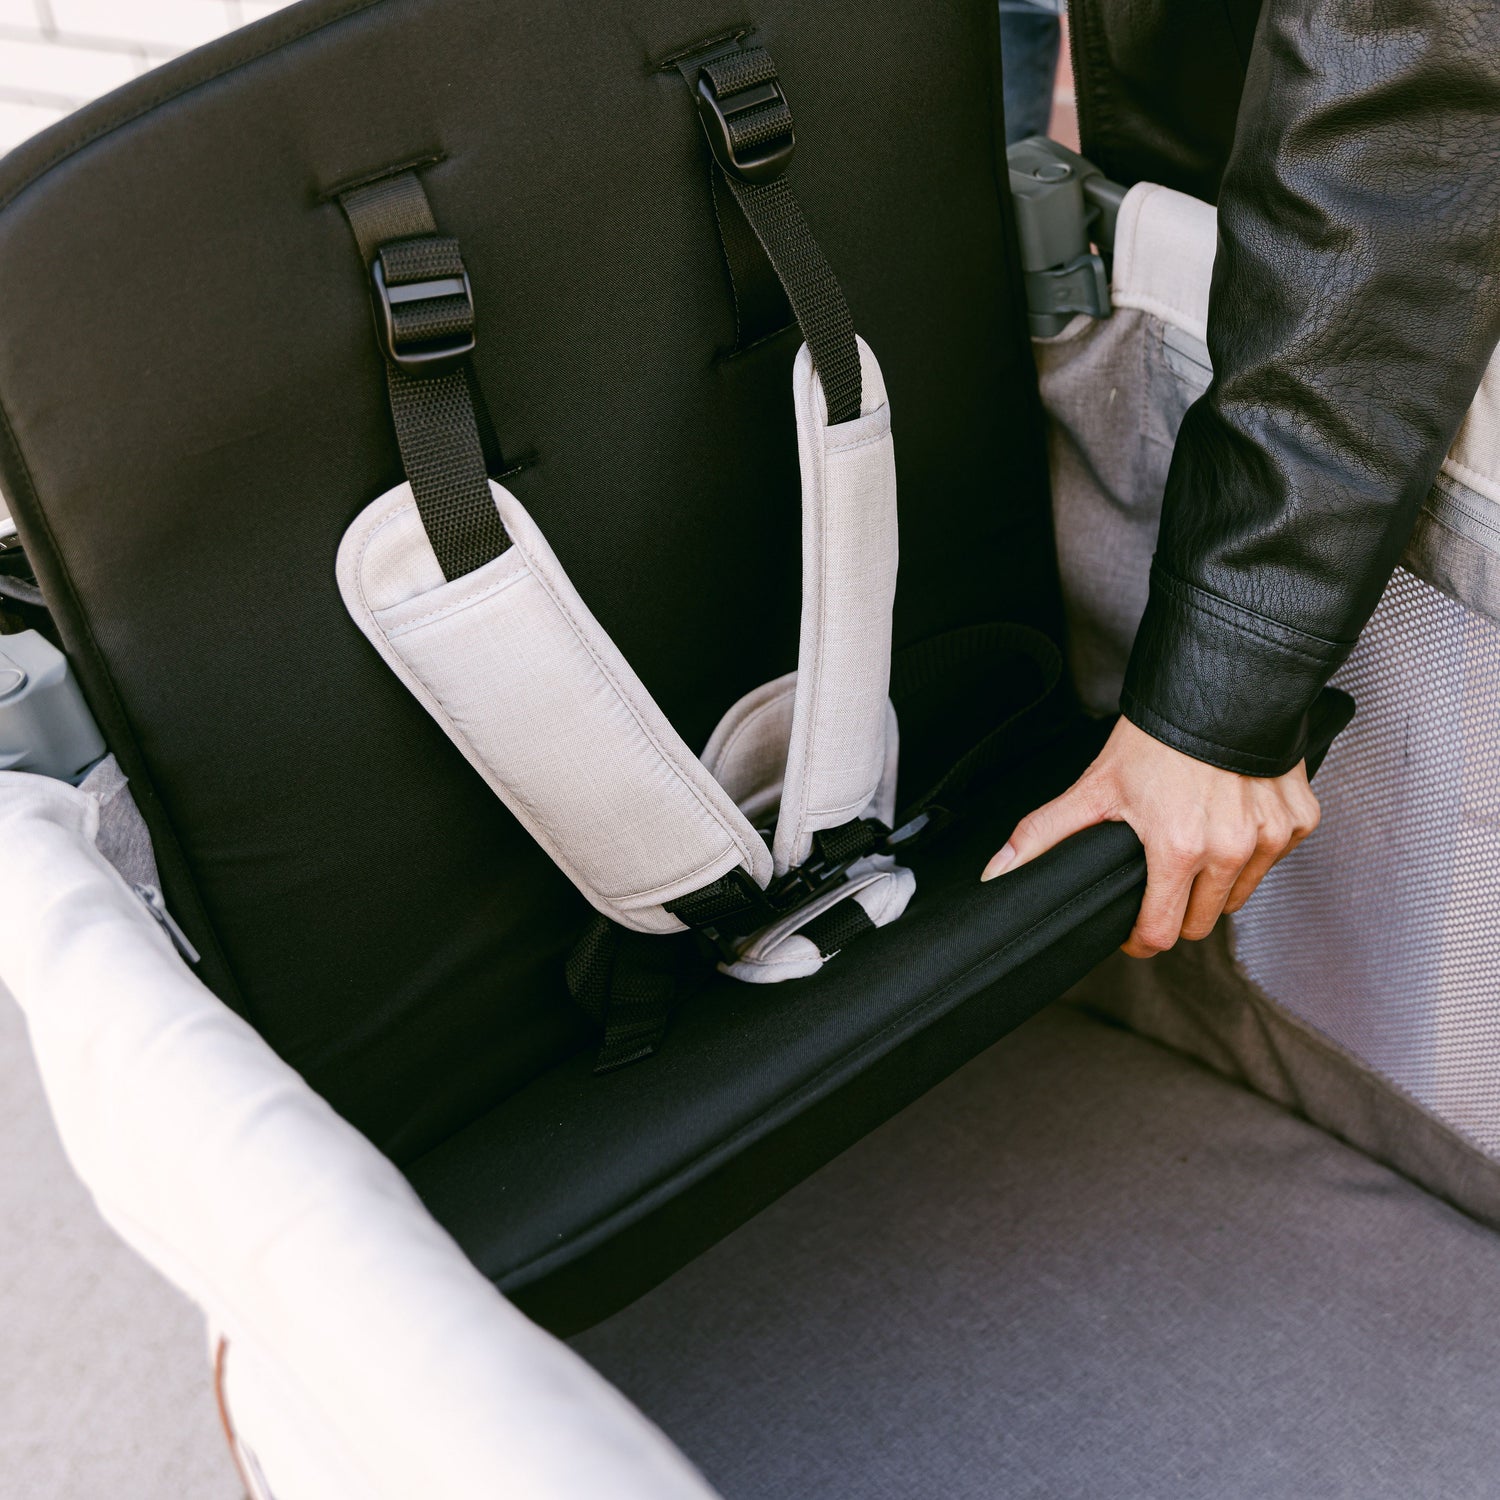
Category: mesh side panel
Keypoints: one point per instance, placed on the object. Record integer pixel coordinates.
(1384, 930)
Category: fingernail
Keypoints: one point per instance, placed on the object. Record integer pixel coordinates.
(1000, 863)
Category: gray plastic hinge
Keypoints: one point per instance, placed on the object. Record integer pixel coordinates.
(45, 726)
(1082, 286)
(1064, 207)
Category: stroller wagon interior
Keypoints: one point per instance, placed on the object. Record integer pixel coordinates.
(1218, 1226)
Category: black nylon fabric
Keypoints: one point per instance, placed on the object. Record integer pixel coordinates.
(811, 287)
(438, 435)
(736, 71)
(849, 841)
(389, 208)
(833, 930)
(760, 1085)
(194, 410)
(627, 983)
(760, 306)
(424, 259)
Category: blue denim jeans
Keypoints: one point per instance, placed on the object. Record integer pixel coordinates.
(1030, 34)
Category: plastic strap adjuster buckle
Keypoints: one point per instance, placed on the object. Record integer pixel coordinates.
(748, 124)
(834, 850)
(424, 305)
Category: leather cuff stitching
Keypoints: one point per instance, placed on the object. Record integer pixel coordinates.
(1237, 617)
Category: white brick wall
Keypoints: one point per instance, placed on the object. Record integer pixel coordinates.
(58, 54)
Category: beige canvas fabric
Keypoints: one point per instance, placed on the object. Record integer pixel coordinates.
(849, 557)
(748, 757)
(368, 1357)
(520, 675)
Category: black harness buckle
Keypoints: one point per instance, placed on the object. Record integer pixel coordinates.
(424, 328)
(731, 908)
(807, 881)
(727, 120)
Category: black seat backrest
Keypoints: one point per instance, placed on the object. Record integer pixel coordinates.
(194, 410)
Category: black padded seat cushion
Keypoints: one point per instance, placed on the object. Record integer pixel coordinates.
(579, 1192)
(193, 409)
(1084, 1267)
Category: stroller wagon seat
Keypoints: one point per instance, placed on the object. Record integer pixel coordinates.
(195, 411)
(196, 415)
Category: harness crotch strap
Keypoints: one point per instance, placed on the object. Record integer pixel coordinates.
(471, 609)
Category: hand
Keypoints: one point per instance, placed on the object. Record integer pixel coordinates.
(1210, 835)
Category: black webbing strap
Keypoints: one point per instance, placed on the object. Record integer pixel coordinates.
(425, 319)
(628, 983)
(760, 305)
(733, 904)
(848, 842)
(833, 930)
(749, 127)
(975, 669)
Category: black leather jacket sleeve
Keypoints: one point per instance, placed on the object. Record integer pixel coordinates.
(1355, 304)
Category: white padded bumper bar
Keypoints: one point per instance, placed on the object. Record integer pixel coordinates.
(368, 1359)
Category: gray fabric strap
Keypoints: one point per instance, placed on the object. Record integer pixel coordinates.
(426, 309)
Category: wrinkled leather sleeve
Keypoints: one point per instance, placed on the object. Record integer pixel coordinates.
(1355, 303)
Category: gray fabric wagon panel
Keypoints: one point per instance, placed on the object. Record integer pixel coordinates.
(1384, 931)
(1084, 1266)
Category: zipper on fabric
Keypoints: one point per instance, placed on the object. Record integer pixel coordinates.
(1072, 17)
(155, 903)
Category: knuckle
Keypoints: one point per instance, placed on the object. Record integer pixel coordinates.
(1179, 852)
(1275, 835)
(1235, 850)
(1156, 937)
(1231, 848)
